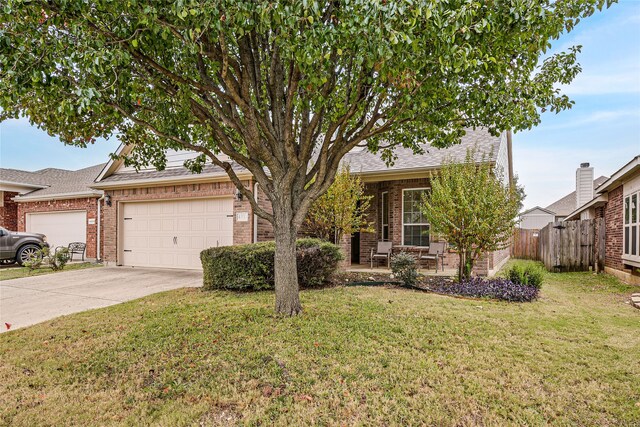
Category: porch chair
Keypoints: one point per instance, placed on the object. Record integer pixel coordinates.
(383, 251)
(435, 252)
(77, 248)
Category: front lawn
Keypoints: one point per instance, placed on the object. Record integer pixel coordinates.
(358, 355)
(7, 273)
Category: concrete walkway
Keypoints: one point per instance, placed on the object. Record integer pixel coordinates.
(31, 300)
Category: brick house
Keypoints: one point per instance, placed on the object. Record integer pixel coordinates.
(56, 202)
(165, 218)
(616, 200)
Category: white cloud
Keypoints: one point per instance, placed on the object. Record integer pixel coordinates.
(611, 81)
(596, 118)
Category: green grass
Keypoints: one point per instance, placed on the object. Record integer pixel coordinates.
(357, 355)
(18, 272)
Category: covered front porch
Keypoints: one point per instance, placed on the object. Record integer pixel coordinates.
(395, 216)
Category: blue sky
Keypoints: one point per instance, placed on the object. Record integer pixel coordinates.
(603, 127)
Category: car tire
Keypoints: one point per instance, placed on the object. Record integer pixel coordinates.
(26, 252)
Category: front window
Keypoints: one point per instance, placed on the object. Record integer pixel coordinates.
(415, 228)
(385, 216)
(631, 224)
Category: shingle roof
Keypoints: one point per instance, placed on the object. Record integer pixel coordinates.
(486, 144)
(567, 204)
(208, 169)
(22, 177)
(57, 181)
(359, 161)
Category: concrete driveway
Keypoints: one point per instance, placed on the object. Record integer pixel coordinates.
(31, 300)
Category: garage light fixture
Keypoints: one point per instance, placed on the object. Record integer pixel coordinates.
(107, 200)
(238, 195)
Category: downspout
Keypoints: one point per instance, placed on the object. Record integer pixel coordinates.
(98, 242)
(255, 217)
(510, 157)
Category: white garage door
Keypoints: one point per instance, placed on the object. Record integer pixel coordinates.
(171, 234)
(61, 228)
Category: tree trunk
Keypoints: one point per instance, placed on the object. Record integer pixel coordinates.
(461, 262)
(286, 270)
(465, 266)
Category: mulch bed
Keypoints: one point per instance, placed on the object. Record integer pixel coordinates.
(351, 278)
(476, 288)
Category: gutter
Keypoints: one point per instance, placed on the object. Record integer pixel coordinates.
(595, 202)
(194, 178)
(24, 184)
(60, 196)
(98, 242)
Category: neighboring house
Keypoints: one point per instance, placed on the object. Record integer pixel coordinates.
(165, 218)
(616, 200)
(537, 218)
(56, 202)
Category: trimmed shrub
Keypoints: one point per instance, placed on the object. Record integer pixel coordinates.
(530, 275)
(58, 259)
(251, 267)
(404, 267)
(496, 288)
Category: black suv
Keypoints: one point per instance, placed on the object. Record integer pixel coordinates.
(20, 247)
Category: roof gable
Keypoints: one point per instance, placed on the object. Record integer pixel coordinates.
(537, 208)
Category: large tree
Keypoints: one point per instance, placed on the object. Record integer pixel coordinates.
(284, 89)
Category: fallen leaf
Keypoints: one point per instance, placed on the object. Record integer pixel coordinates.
(301, 397)
(8, 325)
(267, 391)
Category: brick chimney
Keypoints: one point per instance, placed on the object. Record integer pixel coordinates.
(584, 184)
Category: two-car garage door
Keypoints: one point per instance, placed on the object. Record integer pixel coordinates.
(171, 234)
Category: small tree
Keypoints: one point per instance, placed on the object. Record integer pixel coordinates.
(471, 207)
(341, 210)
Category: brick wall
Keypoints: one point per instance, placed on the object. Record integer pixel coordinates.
(88, 204)
(9, 211)
(242, 233)
(265, 229)
(612, 212)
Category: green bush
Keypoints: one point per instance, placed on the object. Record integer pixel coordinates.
(55, 260)
(531, 275)
(251, 267)
(58, 259)
(405, 268)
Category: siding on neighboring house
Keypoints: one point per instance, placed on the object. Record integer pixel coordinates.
(535, 219)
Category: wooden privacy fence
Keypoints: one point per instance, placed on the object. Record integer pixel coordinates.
(572, 245)
(524, 244)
